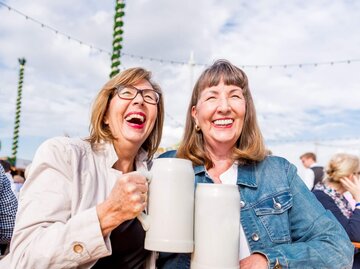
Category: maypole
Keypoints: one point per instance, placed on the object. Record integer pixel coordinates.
(17, 113)
(117, 37)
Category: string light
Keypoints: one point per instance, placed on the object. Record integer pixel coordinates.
(283, 141)
(173, 120)
(173, 62)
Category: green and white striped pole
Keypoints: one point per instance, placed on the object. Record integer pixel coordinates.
(117, 37)
(17, 113)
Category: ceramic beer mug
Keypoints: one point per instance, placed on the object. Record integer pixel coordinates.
(217, 227)
(169, 219)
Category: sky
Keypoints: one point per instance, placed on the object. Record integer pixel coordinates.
(302, 59)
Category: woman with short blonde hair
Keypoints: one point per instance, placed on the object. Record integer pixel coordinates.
(343, 175)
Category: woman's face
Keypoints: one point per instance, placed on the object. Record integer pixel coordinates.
(220, 113)
(356, 174)
(131, 120)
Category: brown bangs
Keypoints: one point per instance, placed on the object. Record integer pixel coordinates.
(229, 74)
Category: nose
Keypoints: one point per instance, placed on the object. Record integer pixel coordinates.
(138, 99)
(224, 105)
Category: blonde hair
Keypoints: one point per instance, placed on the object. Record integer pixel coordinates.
(341, 165)
(100, 131)
(250, 145)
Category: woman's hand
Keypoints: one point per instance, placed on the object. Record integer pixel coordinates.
(127, 200)
(353, 186)
(254, 261)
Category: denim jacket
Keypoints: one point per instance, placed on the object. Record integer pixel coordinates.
(281, 219)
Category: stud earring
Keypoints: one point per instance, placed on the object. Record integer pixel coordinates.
(197, 128)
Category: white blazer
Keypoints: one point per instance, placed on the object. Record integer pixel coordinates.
(57, 224)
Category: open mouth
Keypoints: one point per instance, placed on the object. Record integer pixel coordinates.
(223, 122)
(136, 118)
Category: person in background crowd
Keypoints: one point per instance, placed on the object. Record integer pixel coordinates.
(282, 223)
(18, 182)
(79, 204)
(343, 174)
(8, 208)
(314, 173)
(7, 167)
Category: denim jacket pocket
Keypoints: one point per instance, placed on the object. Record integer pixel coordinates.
(273, 214)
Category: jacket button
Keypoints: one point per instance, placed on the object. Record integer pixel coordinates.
(277, 206)
(255, 237)
(242, 204)
(78, 248)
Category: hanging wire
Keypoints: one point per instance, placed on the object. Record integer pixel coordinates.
(174, 62)
(283, 141)
(173, 120)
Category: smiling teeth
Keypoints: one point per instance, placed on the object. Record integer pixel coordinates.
(223, 122)
(135, 116)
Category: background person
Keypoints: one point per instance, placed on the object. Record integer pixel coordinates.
(79, 204)
(8, 208)
(282, 223)
(343, 174)
(314, 172)
(7, 167)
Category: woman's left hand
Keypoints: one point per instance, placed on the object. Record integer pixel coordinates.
(254, 261)
(353, 186)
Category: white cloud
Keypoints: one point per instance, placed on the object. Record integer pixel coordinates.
(62, 77)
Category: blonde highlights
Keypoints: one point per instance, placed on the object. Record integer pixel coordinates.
(341, 165)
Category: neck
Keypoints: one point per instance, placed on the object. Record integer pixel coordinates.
(126, 157)
(222, 161)
(336, 186)
(221, 153)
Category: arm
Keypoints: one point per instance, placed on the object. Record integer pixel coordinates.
(8, 208)
(49, 232)
(318, 240)
(351, 225)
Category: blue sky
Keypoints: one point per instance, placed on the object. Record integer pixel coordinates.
(309, 101)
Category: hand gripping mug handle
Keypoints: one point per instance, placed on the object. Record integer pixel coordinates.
(144, 218)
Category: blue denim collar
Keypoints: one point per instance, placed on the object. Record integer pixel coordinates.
(246, 174)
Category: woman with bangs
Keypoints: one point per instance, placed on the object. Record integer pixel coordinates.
(79, 205)
(225, 145)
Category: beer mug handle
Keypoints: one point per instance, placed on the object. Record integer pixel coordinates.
(144, 218)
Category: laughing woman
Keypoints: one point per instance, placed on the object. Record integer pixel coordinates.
(282, 223)
(79, 204)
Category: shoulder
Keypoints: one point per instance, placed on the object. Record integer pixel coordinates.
(63, 151)
(63, 144)
(321, 195)
(275, 162)
(168, 154)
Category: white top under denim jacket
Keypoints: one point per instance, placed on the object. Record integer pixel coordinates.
(281, 219)
(57, 224)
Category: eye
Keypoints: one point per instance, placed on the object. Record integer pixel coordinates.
(236, 96)
(126, 92)
(210, 98)
(150, 95)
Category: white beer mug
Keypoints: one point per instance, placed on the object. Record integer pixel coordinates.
(217, 227)
(169, 219)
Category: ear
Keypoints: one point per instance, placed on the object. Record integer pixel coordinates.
(193, 114)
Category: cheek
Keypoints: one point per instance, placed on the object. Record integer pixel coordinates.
(153, 116)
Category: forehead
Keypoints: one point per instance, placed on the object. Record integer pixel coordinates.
(221, 88)
(142, 84)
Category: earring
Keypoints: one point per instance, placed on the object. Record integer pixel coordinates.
(197, 128)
